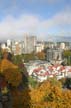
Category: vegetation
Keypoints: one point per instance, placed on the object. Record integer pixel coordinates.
(41, 55)
(67, 56)
(17, 59)
(26, 57)
(32, 82)
(49, 94)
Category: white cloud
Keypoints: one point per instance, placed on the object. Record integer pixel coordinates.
(62, 18)
(11, 26)
(60, 21)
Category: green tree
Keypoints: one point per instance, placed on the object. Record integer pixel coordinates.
(67, 55)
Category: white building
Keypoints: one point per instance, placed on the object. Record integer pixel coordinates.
(3, 45)
(39, 47)
(8, 43)
(62, 46)
(41, 72)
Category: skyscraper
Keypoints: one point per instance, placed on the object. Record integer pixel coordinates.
(29, 43)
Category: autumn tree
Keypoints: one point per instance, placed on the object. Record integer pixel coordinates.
(41, 55)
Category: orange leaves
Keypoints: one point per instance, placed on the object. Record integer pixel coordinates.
(48, 95)
(55, 97)
(13, 76)
(11, 72)
(6, 64)
(52, 95)
(21, 98)
(57, 92)
(41, 55)
(67, 95)
(36, 96)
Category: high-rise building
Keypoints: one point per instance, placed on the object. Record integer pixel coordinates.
(8, 43)
(29, 43)
(54, 54)
(62, 46)
(17, 47)
(40, 46)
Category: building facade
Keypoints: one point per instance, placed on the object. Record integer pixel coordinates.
(17, 47)
(39, 47)
(29, 44)
(54, 54)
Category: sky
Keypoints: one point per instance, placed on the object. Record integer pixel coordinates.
(41, 18)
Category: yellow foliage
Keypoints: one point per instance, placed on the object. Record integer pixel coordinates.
(35, 97)
(13, 76)
(41, 55)
(11, 72)
(6, 64)
(48, 95)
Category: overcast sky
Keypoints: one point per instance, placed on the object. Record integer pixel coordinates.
(36, 17)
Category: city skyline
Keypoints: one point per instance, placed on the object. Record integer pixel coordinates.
(35, 17)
